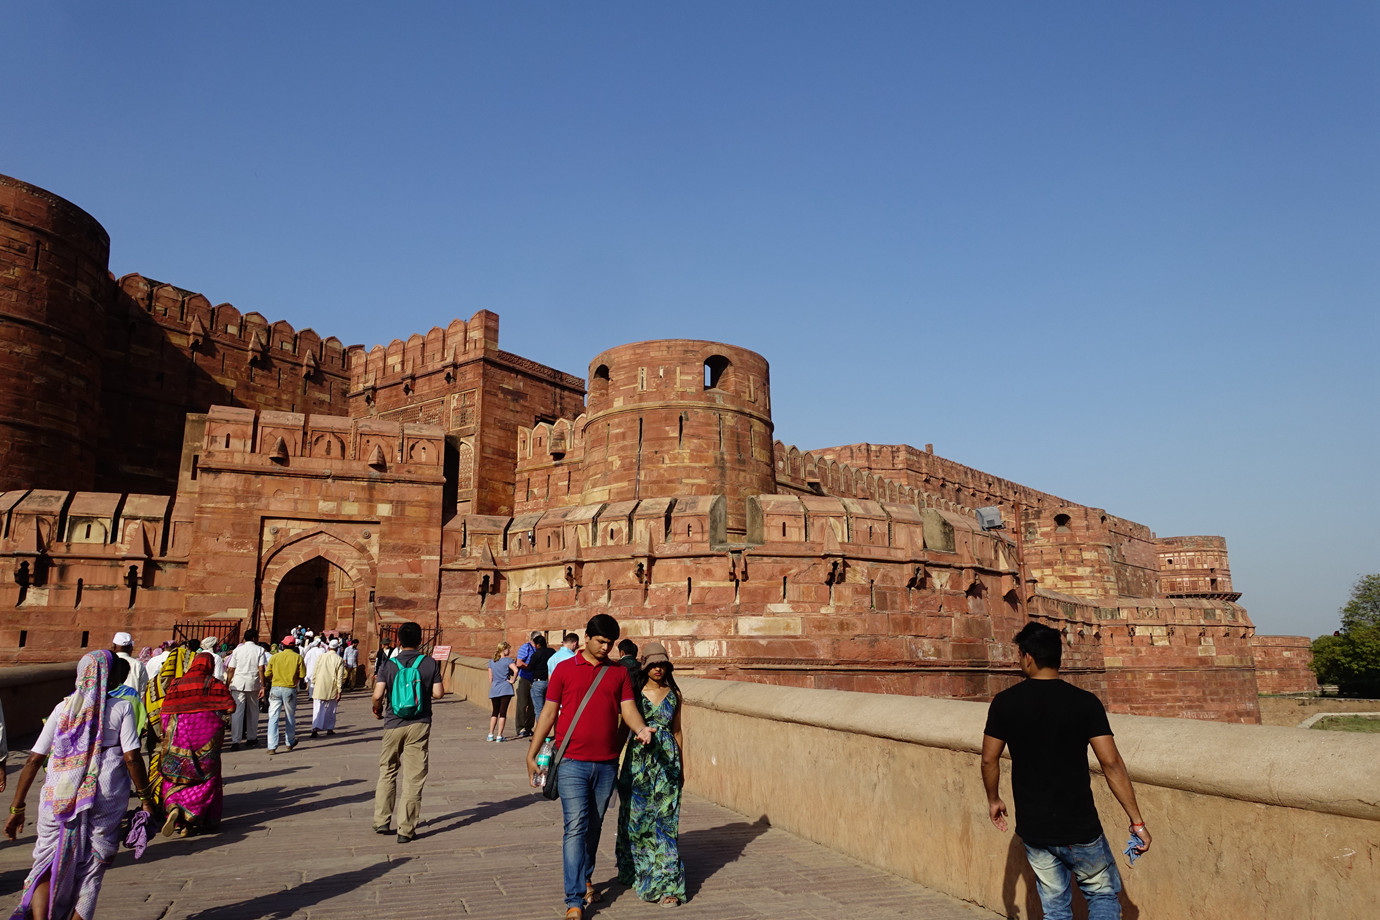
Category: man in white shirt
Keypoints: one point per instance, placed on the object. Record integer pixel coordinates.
(315, 650)
(352, 661)
(245, 675)
(123, 645)
(156, 662)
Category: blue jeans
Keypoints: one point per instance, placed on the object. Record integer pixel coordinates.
(284, 698)
(1091, 865)
(585, 787)
(538, 698)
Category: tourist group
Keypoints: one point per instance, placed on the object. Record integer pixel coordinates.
(592, 723)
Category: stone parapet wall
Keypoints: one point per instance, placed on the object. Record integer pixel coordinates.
(1282, 664)
(1250, 822)
(86, 565)
(28, 694)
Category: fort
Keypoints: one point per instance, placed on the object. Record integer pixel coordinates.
(168, 464)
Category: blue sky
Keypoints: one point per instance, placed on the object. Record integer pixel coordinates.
(1124, 253)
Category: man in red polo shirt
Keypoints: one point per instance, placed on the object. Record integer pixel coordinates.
(590, 765)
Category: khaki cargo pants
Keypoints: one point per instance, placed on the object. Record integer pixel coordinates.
(406, 747)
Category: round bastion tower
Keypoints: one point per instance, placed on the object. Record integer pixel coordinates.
(677, 417)
(54, 285)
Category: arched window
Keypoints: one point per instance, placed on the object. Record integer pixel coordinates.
(599, 383)
(715, 366)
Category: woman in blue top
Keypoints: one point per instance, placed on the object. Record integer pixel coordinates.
(502, 674)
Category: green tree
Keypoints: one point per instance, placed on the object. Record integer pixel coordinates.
(1364, 607)
(1351, 658)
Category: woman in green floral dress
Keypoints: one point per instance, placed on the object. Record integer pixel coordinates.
(649, 785)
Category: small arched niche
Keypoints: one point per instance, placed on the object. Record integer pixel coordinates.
(716, 369)
(599, 383)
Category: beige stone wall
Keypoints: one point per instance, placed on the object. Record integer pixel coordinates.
(1249, 821)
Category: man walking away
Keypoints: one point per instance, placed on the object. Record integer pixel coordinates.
(569, 644)
(627, 650)
(539, 662)
(586, 774)
(403, 690)
(1048, 724)
(123, 645)
(525, 716)
(352, 663)
(284, 670)
(327, 683)
(244, 673)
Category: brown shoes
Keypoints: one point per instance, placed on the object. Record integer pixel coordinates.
(574, 913)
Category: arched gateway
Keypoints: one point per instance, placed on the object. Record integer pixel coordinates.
(317, 580)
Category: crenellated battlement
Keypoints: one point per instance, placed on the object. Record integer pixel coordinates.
(291, 439)
(438, 351)
(197, 325)
(817, 473)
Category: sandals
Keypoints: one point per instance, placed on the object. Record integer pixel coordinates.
(170, 824)
(574, 913)
(591, 895)
(670, 901)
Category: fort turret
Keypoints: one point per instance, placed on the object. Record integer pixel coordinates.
(679, 418)
(54, 283)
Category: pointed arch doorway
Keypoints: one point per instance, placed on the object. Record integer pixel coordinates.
(319, 581)
(317, 595)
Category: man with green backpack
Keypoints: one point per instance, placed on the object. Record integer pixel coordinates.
(404, 687)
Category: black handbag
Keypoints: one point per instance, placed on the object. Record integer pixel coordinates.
(550, 790)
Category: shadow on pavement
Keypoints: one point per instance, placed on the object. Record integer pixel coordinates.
(265, 805)
(283, 904)
(705, 852)
(477, 813)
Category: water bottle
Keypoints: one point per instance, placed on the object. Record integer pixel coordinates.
(544, 755)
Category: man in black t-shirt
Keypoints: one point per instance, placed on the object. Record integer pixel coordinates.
(1048, 724)
(541, 658)
(406, 741)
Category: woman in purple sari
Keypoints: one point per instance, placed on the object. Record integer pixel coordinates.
(92, 748)
(195, 712)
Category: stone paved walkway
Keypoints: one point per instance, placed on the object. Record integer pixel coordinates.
(296, 842)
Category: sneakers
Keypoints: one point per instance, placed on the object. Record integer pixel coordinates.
(500, 738)
(490, 738)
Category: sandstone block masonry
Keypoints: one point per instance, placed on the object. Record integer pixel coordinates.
(167, 464)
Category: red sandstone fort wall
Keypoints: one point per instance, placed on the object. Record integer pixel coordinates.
(169, 353)
(1282, 664)
(53, 292)
(458, 378)
(81, 566)
(475, 490)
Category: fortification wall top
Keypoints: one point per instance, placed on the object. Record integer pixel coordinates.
(191, 315)
(666, 372)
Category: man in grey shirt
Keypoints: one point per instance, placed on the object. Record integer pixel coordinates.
(406, 740)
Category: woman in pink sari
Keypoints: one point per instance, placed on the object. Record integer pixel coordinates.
(195, 712)
(92, 751)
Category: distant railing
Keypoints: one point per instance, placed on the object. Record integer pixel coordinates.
(227, 632)
(388, 633)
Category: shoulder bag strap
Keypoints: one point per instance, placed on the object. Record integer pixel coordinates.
(570, 732)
